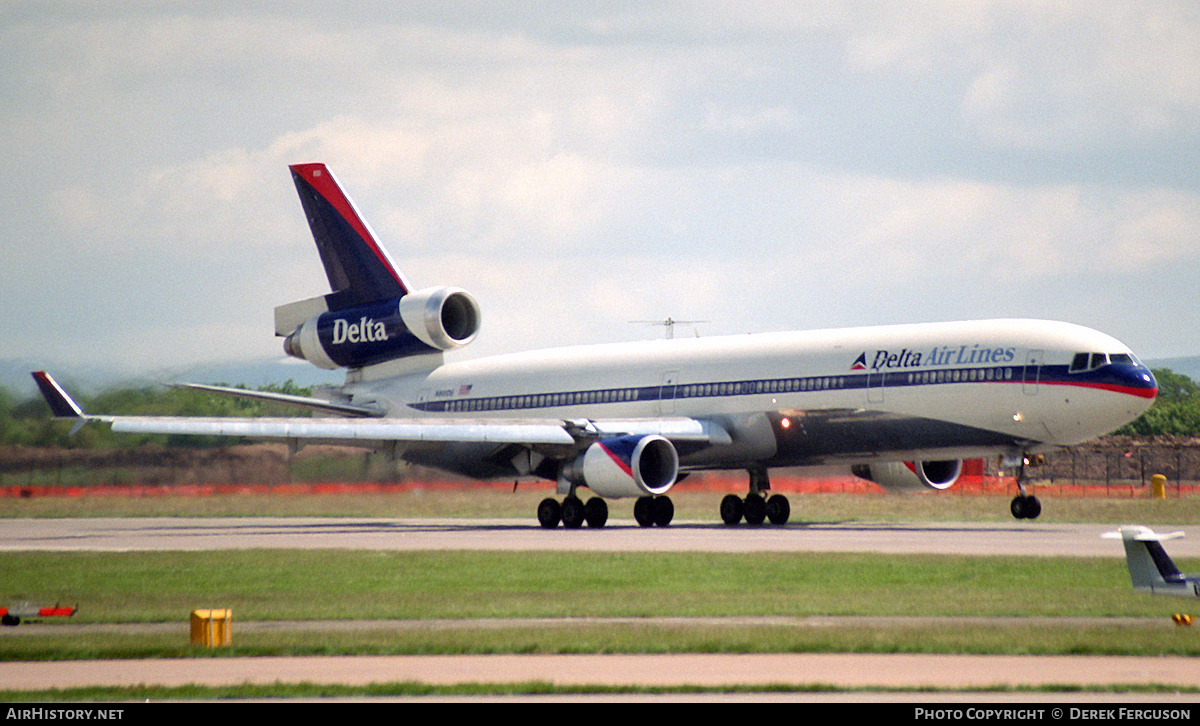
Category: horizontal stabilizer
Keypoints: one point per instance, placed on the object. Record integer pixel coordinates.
(1150, 567)
(315, 404)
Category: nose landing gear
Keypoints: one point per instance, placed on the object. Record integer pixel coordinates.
(1026, 505)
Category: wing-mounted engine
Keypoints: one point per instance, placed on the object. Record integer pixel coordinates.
(425, 321)
(626, 466)
(910, 476)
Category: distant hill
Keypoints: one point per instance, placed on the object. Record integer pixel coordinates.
(1188, 366)
(14, 376)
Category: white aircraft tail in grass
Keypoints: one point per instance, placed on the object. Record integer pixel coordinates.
(1150, 568)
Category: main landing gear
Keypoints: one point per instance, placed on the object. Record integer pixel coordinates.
(757, 506)
(573, 513)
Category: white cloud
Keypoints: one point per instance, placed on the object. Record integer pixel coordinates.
(766, 166)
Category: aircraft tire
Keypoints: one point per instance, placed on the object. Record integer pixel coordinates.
(549, 513)
(572, 513)
(664, 511)
(778, 509)
(1017, 507)
(596, 512)
(643, 511)
(755, 509)
(1025, 507)
(731, 509)
(1033, 507)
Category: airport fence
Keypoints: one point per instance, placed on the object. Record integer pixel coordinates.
(1121, 466)
(1113, 466)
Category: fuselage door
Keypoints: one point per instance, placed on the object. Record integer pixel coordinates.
(875, 380)
(1033, 372)
(666, 394)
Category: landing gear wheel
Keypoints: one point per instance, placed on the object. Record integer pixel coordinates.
(549, 513)
(572, 513)
(643, 511)
(1025, 507)
(596, 512)
(778, 509)
(653, 511)
(1017, 507)
(664, 511)
(1033, 507)
(754, 509)
(731, 509)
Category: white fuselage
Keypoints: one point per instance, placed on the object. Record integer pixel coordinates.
(947, 390)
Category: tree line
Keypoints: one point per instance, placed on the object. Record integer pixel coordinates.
(1175, 412)
(29, 422)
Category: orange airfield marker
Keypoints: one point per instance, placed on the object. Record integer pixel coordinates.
(13, 615)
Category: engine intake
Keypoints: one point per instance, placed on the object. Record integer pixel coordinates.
(910, 476)
(441, 317)
(626, 466)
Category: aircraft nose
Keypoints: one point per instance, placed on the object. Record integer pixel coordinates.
(1151, 383)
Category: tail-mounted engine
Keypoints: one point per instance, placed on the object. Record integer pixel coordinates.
(426, 321)
(910, 476)
(628, 466)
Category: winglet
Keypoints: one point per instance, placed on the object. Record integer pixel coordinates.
(61, 404)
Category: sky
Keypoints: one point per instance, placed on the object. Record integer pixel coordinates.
(753, 166)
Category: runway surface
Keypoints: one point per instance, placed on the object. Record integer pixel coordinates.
(846, 671)
(803, 671)
(202, 534)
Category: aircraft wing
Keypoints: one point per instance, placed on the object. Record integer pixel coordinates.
(351, 431)
(360, 431)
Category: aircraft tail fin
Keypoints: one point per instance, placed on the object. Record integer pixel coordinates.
(358, 267)
(372, 316)
(1148, 562)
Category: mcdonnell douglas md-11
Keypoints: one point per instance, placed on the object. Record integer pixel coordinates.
(902, 406)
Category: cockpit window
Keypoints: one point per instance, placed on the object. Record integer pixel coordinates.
(1091, 361)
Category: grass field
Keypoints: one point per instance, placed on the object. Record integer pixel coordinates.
(466, 501)
(306, 585)
(301, 585)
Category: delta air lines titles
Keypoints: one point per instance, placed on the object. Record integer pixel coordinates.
(938, 356)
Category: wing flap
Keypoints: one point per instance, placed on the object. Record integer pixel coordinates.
(350, 431)
(676, 429)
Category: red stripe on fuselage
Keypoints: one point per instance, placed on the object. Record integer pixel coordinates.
(1110, 387)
